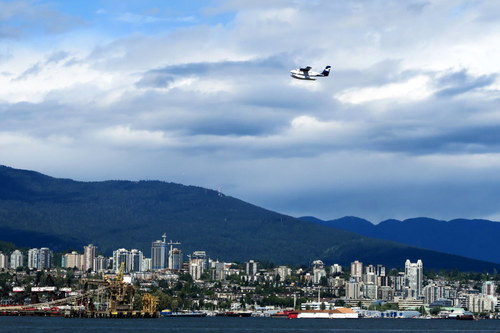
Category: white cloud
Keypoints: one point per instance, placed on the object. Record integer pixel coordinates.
(414, 89)
(125, 136)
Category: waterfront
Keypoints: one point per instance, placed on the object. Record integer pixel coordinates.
(247, 325)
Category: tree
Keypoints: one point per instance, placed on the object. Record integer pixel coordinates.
(323, 281)
(339, 302)
(435, 310)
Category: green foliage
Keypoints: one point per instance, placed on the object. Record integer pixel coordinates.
(339, 302)
(7, 247)
(435, 310)
(384, 306)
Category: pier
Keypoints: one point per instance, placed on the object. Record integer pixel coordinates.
(107, 298)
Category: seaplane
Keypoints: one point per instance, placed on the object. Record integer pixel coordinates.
(307, 74)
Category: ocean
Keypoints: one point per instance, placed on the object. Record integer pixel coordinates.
(247, 325)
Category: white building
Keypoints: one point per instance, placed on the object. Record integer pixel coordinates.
(33, 258)
(352, 289)
(283, 272)
(318, 271)
(146, 264)
(370, 291)
(489, 288)
(196, 269)
(251, 268)
(89, 253)
(121, 256)
(175, 259)
(335, 269)
(3, 261)
(44, 258)
(197, 264)
(357, 270)
(16, 259)
(482, 303)
(72, 260)
(218, 270)
(414, 275)
(135, 261)
(101, 263)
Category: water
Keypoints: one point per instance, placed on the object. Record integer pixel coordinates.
(246, 325)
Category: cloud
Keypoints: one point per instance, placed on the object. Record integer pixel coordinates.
(22, 18)
(458, 83)
(411, 90)
(406, 124)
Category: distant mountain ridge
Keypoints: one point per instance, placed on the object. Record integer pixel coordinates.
(476, 238)
(64, 214)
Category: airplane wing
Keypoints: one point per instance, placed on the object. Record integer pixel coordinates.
(306, 70)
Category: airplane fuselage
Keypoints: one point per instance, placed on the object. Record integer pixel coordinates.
(301, 75)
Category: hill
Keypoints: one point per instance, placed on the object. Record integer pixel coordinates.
(63, 214)
(472, 238)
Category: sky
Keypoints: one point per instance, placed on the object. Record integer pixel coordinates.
(198, 92)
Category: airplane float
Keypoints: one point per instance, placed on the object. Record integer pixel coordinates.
(307, 74)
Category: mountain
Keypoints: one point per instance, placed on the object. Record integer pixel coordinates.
(476, 239)
(37, 210)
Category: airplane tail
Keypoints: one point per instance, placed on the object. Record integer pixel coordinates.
(326, 71)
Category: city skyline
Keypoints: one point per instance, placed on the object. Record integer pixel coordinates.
(361, 285)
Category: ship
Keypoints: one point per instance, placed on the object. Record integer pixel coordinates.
(337, 313)
(169, 313)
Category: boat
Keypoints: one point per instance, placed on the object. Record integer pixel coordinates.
(338, 313)
(234, 314)
(281, 314)
(466, 315)
(169, 313)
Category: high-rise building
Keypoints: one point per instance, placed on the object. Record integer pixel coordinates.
(370, 278)
(217, 271)
(3, 260)
(197, 264)
(352, 289)
(251, 268)
(159, 254)
(101, 263)
(89, 252)
(45, 258)
(283, 272)
(370, 291)
(357, 270)
(175, 259)
(72, 260)
(414, 275)
(135, 264)
(196, 269)
(121, 256)
(146, 264)
(318, 271)
(488, 288)
(369, 269)
(336, 269)
(16, 259)
(33, 258)
(40, 258)
(380, 270)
